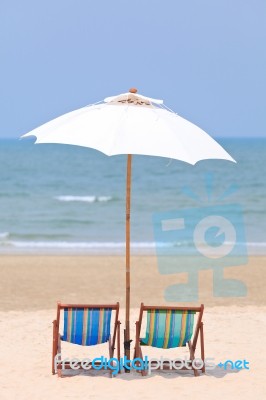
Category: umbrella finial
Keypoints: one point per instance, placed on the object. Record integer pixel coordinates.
(133, 90)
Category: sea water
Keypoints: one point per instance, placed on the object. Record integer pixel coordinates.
(59, 198)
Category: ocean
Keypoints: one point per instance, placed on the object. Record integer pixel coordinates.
(68, 199)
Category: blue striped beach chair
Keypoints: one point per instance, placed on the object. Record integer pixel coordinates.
(85, 325)
(171, 327)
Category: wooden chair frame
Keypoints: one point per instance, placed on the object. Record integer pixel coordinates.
(112, 341)
(192, 344)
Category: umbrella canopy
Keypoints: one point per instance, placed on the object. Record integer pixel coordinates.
(131, 124)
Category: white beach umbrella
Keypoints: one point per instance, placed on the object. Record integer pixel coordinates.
(131, 124)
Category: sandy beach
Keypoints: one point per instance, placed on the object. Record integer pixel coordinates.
(30, 286)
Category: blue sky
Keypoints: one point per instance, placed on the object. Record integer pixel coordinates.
(205, 58)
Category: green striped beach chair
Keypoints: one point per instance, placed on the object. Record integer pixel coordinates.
(171, 327)
(85, 325)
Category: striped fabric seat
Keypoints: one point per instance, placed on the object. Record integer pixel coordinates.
(168, 328)
(87, 326)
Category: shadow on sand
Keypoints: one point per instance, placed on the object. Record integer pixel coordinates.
(217, 372)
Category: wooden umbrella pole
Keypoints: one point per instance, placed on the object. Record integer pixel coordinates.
(128, 196)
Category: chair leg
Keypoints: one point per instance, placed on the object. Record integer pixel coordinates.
(192, 357)
(60, 370)
(138, 354)
(135, 354)
(111, 348)
(55, 345)
(53, 348)
(118, 342)
(137, 349)
(111, 354)
(143, 372)
(202, 347)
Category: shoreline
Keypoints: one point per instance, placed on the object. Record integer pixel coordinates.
(111, 249)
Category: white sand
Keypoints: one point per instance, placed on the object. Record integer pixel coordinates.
(230, 333)
(235, 328)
